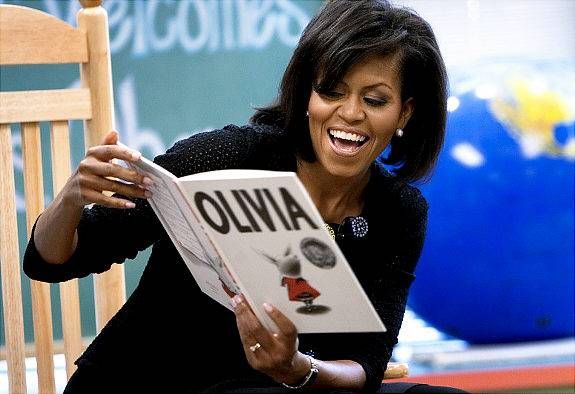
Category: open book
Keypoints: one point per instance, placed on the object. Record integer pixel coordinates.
(258, 233)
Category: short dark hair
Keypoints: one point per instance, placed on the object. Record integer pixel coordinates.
(340, 35)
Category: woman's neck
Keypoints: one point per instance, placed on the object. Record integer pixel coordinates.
(335, 197)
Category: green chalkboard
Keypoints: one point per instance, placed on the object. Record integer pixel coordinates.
(179, 67)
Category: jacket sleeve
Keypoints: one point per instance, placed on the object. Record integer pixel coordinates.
(105, 236)
(109, 235)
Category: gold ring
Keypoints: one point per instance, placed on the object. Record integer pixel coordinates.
(255, 347)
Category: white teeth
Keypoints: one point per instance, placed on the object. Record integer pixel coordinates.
(347, 136)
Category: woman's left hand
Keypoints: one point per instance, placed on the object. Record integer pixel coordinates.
(277, 353)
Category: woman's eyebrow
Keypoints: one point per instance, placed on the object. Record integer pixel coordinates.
(376, 85)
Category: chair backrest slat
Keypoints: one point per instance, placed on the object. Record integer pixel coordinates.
(45, 105)
(40, 292)
(39, 38)
(60, 148)
(33, 174)
(69, 293)
(10, 268)
(110, 286)
(71, 326)
(43, 336)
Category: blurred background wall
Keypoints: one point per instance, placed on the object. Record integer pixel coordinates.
(497, 266)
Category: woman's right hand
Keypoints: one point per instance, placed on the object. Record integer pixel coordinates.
(97, 173)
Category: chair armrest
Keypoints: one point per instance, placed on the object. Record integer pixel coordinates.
(396, 371)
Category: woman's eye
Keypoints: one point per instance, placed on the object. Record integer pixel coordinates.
(331, 94)
(374, 102)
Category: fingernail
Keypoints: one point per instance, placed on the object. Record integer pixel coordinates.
(233, 302)
(147, 181)
(135, 155)
(237, 299)
(268, 307)
(130, 204)
(148, 194)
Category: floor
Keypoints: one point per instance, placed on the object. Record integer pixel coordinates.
(532, 367)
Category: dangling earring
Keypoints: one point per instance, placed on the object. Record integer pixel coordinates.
(399, 133)
(307, 114)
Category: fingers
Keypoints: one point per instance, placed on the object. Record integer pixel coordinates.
(111, 138)
(250, 329)
(284, 325)
(91, 182)
(98, 173)
(95, 175)
(91, 166)
(110, 152)
(109, 201)
(249, 324)
(276, 355)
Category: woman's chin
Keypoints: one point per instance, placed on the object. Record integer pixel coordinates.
(345, 171)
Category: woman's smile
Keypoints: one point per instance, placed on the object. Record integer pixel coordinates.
(346, 141)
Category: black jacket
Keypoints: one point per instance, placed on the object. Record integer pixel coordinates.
(167, 318)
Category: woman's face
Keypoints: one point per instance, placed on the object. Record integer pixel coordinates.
(355, 121)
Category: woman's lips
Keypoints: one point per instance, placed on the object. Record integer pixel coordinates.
(346, 143)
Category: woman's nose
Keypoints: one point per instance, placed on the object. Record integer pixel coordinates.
(351, 110)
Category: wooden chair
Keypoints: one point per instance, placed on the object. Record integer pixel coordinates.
(29, 36)
(396, 371)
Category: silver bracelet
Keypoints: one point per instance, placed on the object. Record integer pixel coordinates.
(309, 378)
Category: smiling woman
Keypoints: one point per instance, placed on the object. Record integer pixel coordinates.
(354, 121)
(365, 76)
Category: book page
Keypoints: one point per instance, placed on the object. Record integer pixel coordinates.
(186, 233)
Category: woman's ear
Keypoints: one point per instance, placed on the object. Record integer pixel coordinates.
(406, 111)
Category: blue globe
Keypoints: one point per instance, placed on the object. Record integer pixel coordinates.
(498, 263)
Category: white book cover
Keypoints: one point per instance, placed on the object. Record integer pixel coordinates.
(258, 233)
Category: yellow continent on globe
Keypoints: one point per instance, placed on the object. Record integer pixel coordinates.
(531, 117)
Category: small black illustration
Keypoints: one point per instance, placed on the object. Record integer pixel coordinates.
(318, 253)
